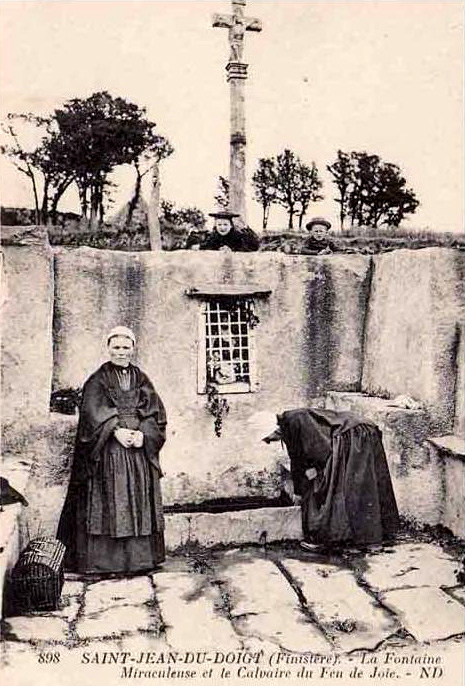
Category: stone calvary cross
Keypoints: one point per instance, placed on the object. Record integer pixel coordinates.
(236, 71)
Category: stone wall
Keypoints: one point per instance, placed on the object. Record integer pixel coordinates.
(448, 453)
(336, 305)
(334, 323)
(416, 475)
(27, 307)
(315, 304)
(416, 305)
(459, 418)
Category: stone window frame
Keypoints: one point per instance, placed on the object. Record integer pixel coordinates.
(226, 294)
(245, 347)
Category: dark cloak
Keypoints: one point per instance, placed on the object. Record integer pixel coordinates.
(312, 245)
(351, 499)
(238, 240)
(106, 406)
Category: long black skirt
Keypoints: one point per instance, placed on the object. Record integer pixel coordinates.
(351, 499)
(113, 523)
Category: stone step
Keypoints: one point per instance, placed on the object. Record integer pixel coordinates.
(264, 605)
(258, 525)
(116, 593)
(350, 616)
(115, 621)
(449, 453)
(458, 593)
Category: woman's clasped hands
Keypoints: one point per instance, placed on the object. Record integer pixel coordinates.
(129, 438)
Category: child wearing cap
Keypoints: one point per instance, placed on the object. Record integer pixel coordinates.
(318, 242)
(230, 233)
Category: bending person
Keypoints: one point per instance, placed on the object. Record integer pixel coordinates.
(339, 469)
(112, 519)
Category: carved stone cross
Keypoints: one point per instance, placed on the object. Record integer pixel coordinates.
(237, 25)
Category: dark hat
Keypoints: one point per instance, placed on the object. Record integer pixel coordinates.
(318, 220)
(224, 214)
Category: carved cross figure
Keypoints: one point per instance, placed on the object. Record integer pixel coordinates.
(236, 74)
(237, 25)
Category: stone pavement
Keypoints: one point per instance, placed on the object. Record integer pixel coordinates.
(402, 600)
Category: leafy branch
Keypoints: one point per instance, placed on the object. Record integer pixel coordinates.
(217, 406)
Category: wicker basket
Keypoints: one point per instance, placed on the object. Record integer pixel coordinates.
(36, 581)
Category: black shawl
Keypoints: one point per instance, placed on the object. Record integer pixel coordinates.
(100, 415)
(351, 498)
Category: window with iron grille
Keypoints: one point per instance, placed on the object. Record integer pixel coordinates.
(227, 345)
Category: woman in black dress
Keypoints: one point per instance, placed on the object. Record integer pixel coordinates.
(341, 476)
(112, 520)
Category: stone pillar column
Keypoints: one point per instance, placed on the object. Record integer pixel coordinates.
(153, 210)
(236, 76)
(236, 70)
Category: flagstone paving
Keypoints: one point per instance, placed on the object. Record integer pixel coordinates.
(411, 564)
(427, 613)
(458, 593)
(253, 599)
(117, 592)
(264, 604)
(115, 621)
(191, 611)
(349, 615)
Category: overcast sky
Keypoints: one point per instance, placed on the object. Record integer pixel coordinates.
(385, 77)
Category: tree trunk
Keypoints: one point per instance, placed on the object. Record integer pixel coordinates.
(291, 218)
(342, 211)
(44, 217)
(56, 199)
(94, 206)
(101, 209)
(83, 188)
(36, 198)
(266, 214)
(54, 209)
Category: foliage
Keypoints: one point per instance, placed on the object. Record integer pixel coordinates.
(222, 194)
(217, 406)
(287, 181)
(264, 183)
(147, 162)
(71, 231)
(297, 185)
(341, 171)
(43, 163)
(366, 241)
(309, 185)
(182, 216)
(82, 142)
(100, 133)
(371, 192)
(66, 400)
